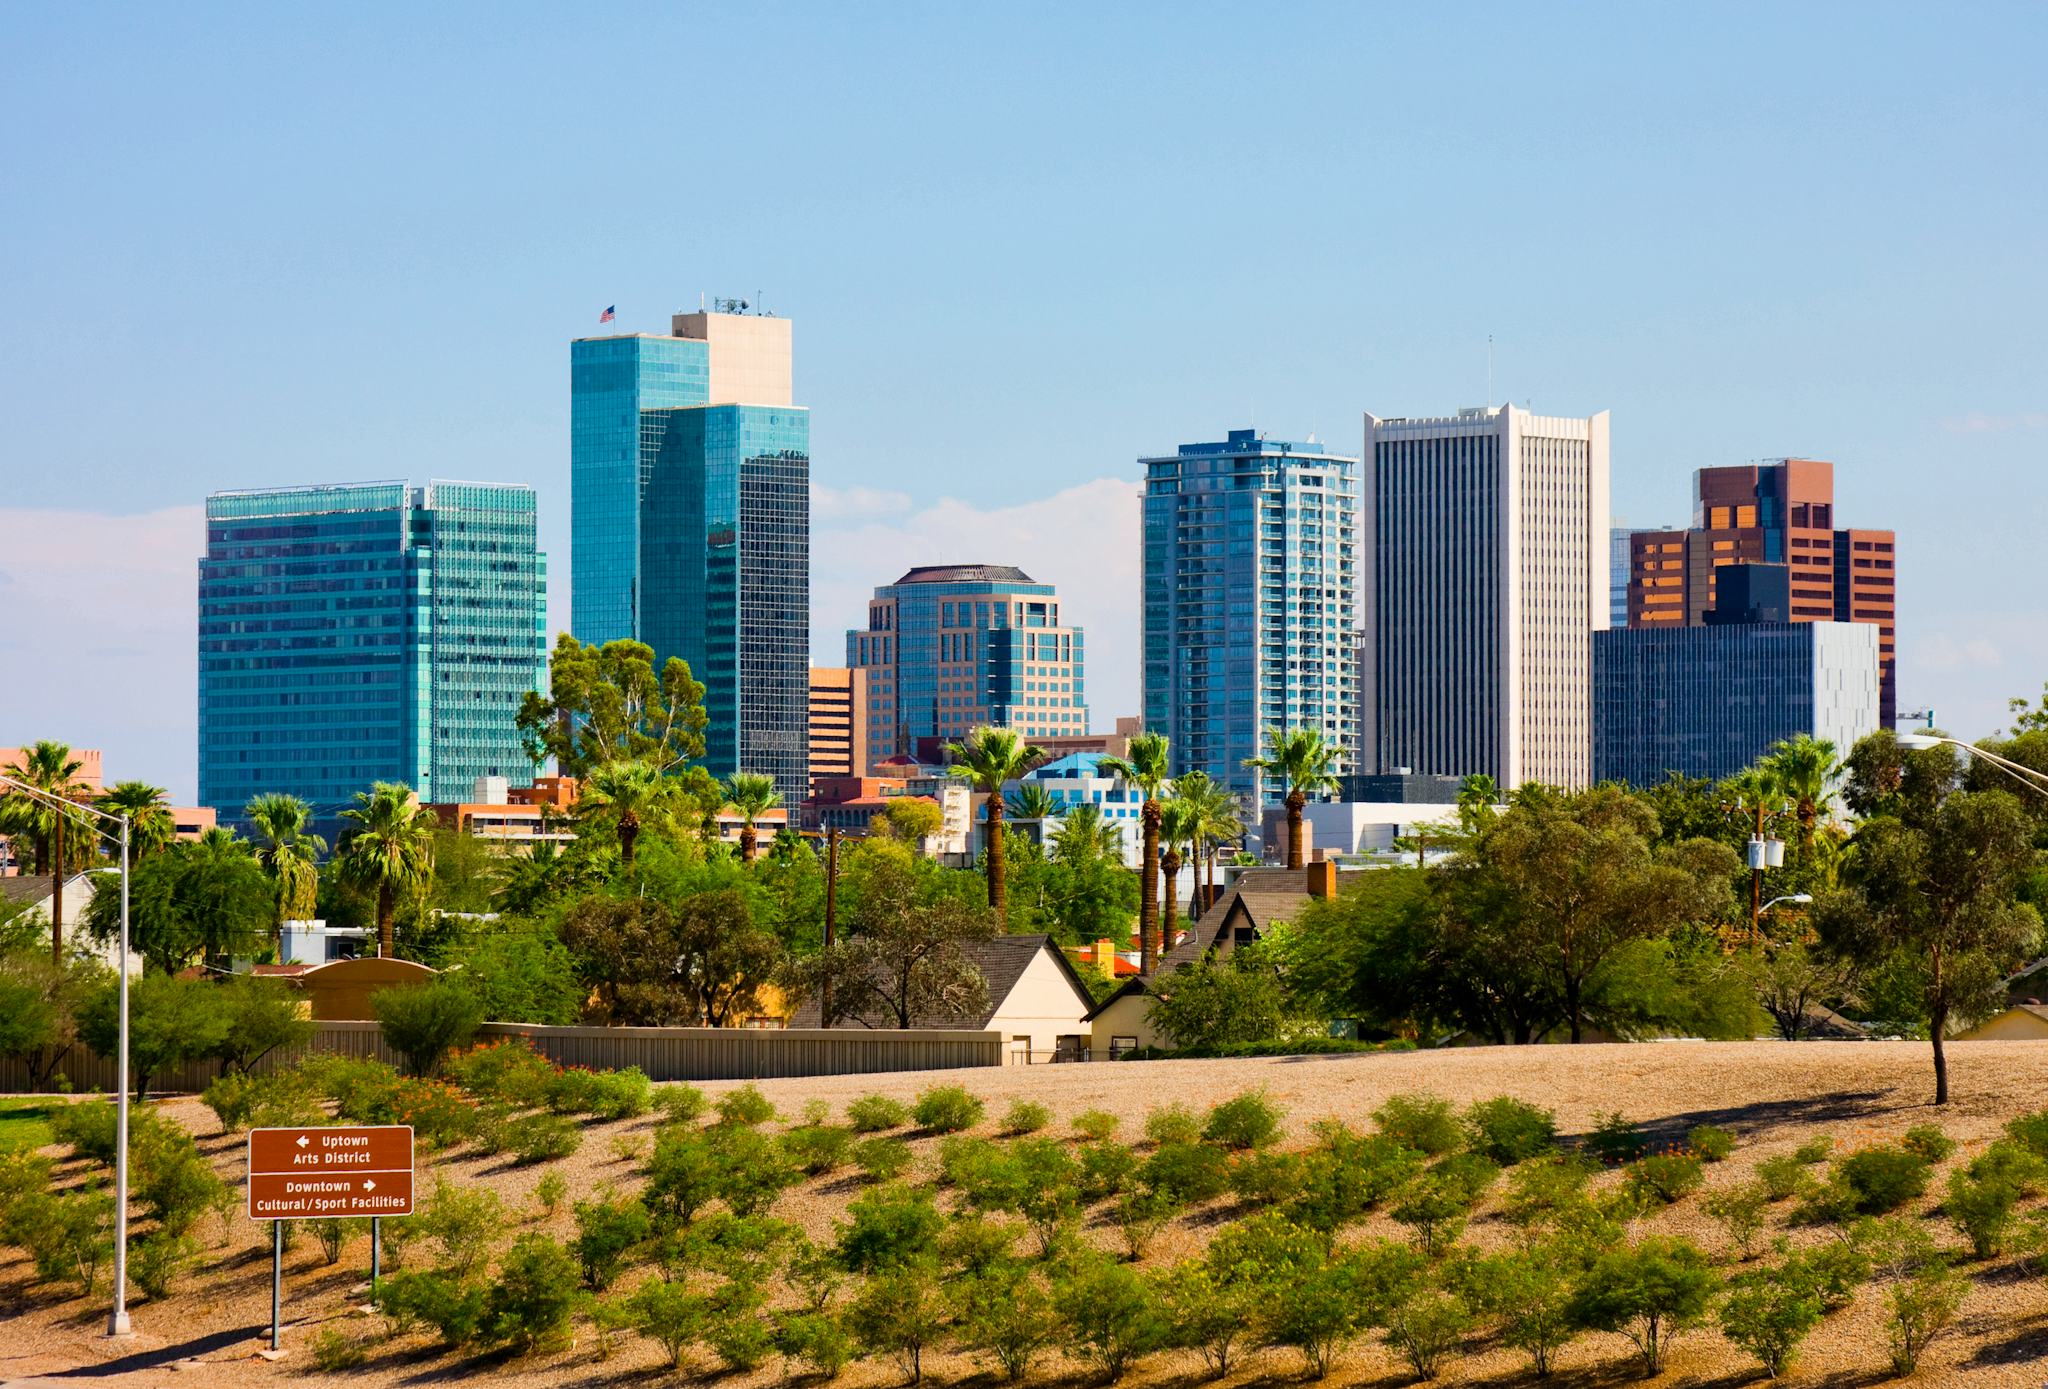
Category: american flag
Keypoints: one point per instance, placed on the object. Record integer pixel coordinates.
(608, 315)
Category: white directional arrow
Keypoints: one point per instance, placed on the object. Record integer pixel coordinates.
(304, 1141)
(369, 1184)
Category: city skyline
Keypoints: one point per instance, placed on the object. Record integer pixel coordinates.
(994, 323)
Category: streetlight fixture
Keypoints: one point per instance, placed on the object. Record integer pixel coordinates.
(1802, 898)
(117, 1319)
(2018, 771)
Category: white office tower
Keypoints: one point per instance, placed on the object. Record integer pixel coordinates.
(1484, 550)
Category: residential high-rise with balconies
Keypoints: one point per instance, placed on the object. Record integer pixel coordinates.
(690, 496)
(368, 632)
(1484, 544)
(1772, 513)
(1250, 589)
(951, 647)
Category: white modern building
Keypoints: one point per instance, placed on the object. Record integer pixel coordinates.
(1076, 780)
(1484, 554)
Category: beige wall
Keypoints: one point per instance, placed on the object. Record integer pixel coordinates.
(1129, 1016)
(2013, 1025)
(750, 356)
(1042, 1007)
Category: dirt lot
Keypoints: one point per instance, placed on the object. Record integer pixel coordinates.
(1773, 1096)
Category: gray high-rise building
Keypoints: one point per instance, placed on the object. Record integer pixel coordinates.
(1708, 701)
(1484, 544)
(1251, 576)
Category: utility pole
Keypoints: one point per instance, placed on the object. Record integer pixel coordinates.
(831, 921)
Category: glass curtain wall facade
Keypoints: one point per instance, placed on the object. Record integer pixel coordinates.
(1250, 580)
(362, 633)
(949, 648)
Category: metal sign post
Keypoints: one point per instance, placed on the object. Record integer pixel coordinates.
(327, 1173)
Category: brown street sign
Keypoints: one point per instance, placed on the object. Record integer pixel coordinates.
(330, 1172)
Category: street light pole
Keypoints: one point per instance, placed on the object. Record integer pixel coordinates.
(2018, 771)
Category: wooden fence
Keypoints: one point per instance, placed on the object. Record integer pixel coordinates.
(664, 1053)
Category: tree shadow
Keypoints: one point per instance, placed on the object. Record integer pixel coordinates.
(2007, 1343)
(1762, 1116)
(163, 1356)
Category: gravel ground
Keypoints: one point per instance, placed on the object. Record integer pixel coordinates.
(1773, 1096)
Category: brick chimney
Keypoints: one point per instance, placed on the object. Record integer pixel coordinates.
(1322, 878)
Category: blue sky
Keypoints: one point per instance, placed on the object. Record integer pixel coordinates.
(1022, 246)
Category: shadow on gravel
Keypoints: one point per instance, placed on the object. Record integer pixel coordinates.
(1751, 1120)
(2025, 1344)
(163, 1356)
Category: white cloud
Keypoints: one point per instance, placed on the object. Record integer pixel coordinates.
(855, 503)
(1978, 423)
(97, 645)
(1084, 540)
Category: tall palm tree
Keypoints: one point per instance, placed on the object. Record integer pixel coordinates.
(630, 792)
(1216, 822)
(1084, 835)
(51, 769)
(388, 846)
(1307, 766)
(988, 760)
(1806, 772)
(1033, 801)
(289, 854)
(1478, 794)
(753, 795)
(1146, 767)
(1179, 827)
(148, 808)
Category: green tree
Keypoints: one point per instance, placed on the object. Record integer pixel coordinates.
(1806, 772)
(627, 794)
(911, 819)
(1307, 766)
(1084, 836)
(49, 768)
(519, 972)
(1934, 903)
(1146, 767)
(724, 957)
(203, 901)
(1649, 1292)
(148, 808)
(1223, 1002)
(903, 956)
(258, 1016)
(988, 760)
(1216, 823)
(388, 848)
(170, 1021)
(1033, 801)
(605, 704)
(424, 1022)
(290, 853)
(753, 795)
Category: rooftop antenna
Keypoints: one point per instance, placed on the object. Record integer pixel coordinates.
(1489, 371)
(700, 301)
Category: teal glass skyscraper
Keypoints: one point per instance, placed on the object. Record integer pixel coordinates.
(690, 491)
(1251, 579)
(368, 632)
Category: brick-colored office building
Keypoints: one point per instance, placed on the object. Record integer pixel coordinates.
(839, 724)
(1772, 513)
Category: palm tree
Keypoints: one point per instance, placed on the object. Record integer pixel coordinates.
(1032, 801)
(753, 795)
(1216, 821)
(630, 791)
(1083, 836)
(50, 768)
(1478, 794)
(1805, 771)
(388, 846)
(989, 760)
(148, 808)
(1179, 824)
(1145, 766)
(1307, 765)
(289, 854)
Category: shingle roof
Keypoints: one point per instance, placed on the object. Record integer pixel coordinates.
(1257, 901)
(1002, 961)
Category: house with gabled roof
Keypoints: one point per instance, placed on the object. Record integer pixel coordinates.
(1036, 999)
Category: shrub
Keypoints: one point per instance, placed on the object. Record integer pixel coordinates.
(533, 1294)
(1648, 1292)
(818, 1149)
(1434, 1209)
(68, 1235)
(1741, 1213)
(815, 1340)
(1318, 1311)
(1982, 1209)
(1189, 1173)
(946, 1109)
(1173, 1123)
(889, 1227)
(1666, 1178)
(681, 1104)
(1096, 1125)
(1425, 1123)
(1006, 1313)
(735, 1329)
(1107, 1167)
(881, 1159)
(2008, 1162)
(1140, 1214)
(230, 1096)
(752, 1169)
(1782, 1177)
(875, 1113)
(1026, 1116)
(157, 1261)
(535, 1138)
(1508, 1130)
(1615, 1140)
(974, 1244)
(450, 1303)
(608, 1230)
(87, 1127)
(1111, 1312)
(333, 1236)
(1243, 1122)
(1917, 1310)
(509, 1070)
(898, 1313)
(1529, 1293)
(668, 1314)
(1831, 1271)
(1712, 1142)
(1538, 1189)
(1347, 1174)
(1768, 1315)
(335, 1350)
(440, 1115)
(360, 1086)
(1211, 1315)
(745, 1107)
(1874, 1181)
(1929, 1142)
(1813, 1151)
(1266, 1179)
(424, 1022)
(608, 1095)
(463, 1220)
(684, 1173)
(628, 1147)
(173, 1182)
(549, 1192)
(1425, 1328)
